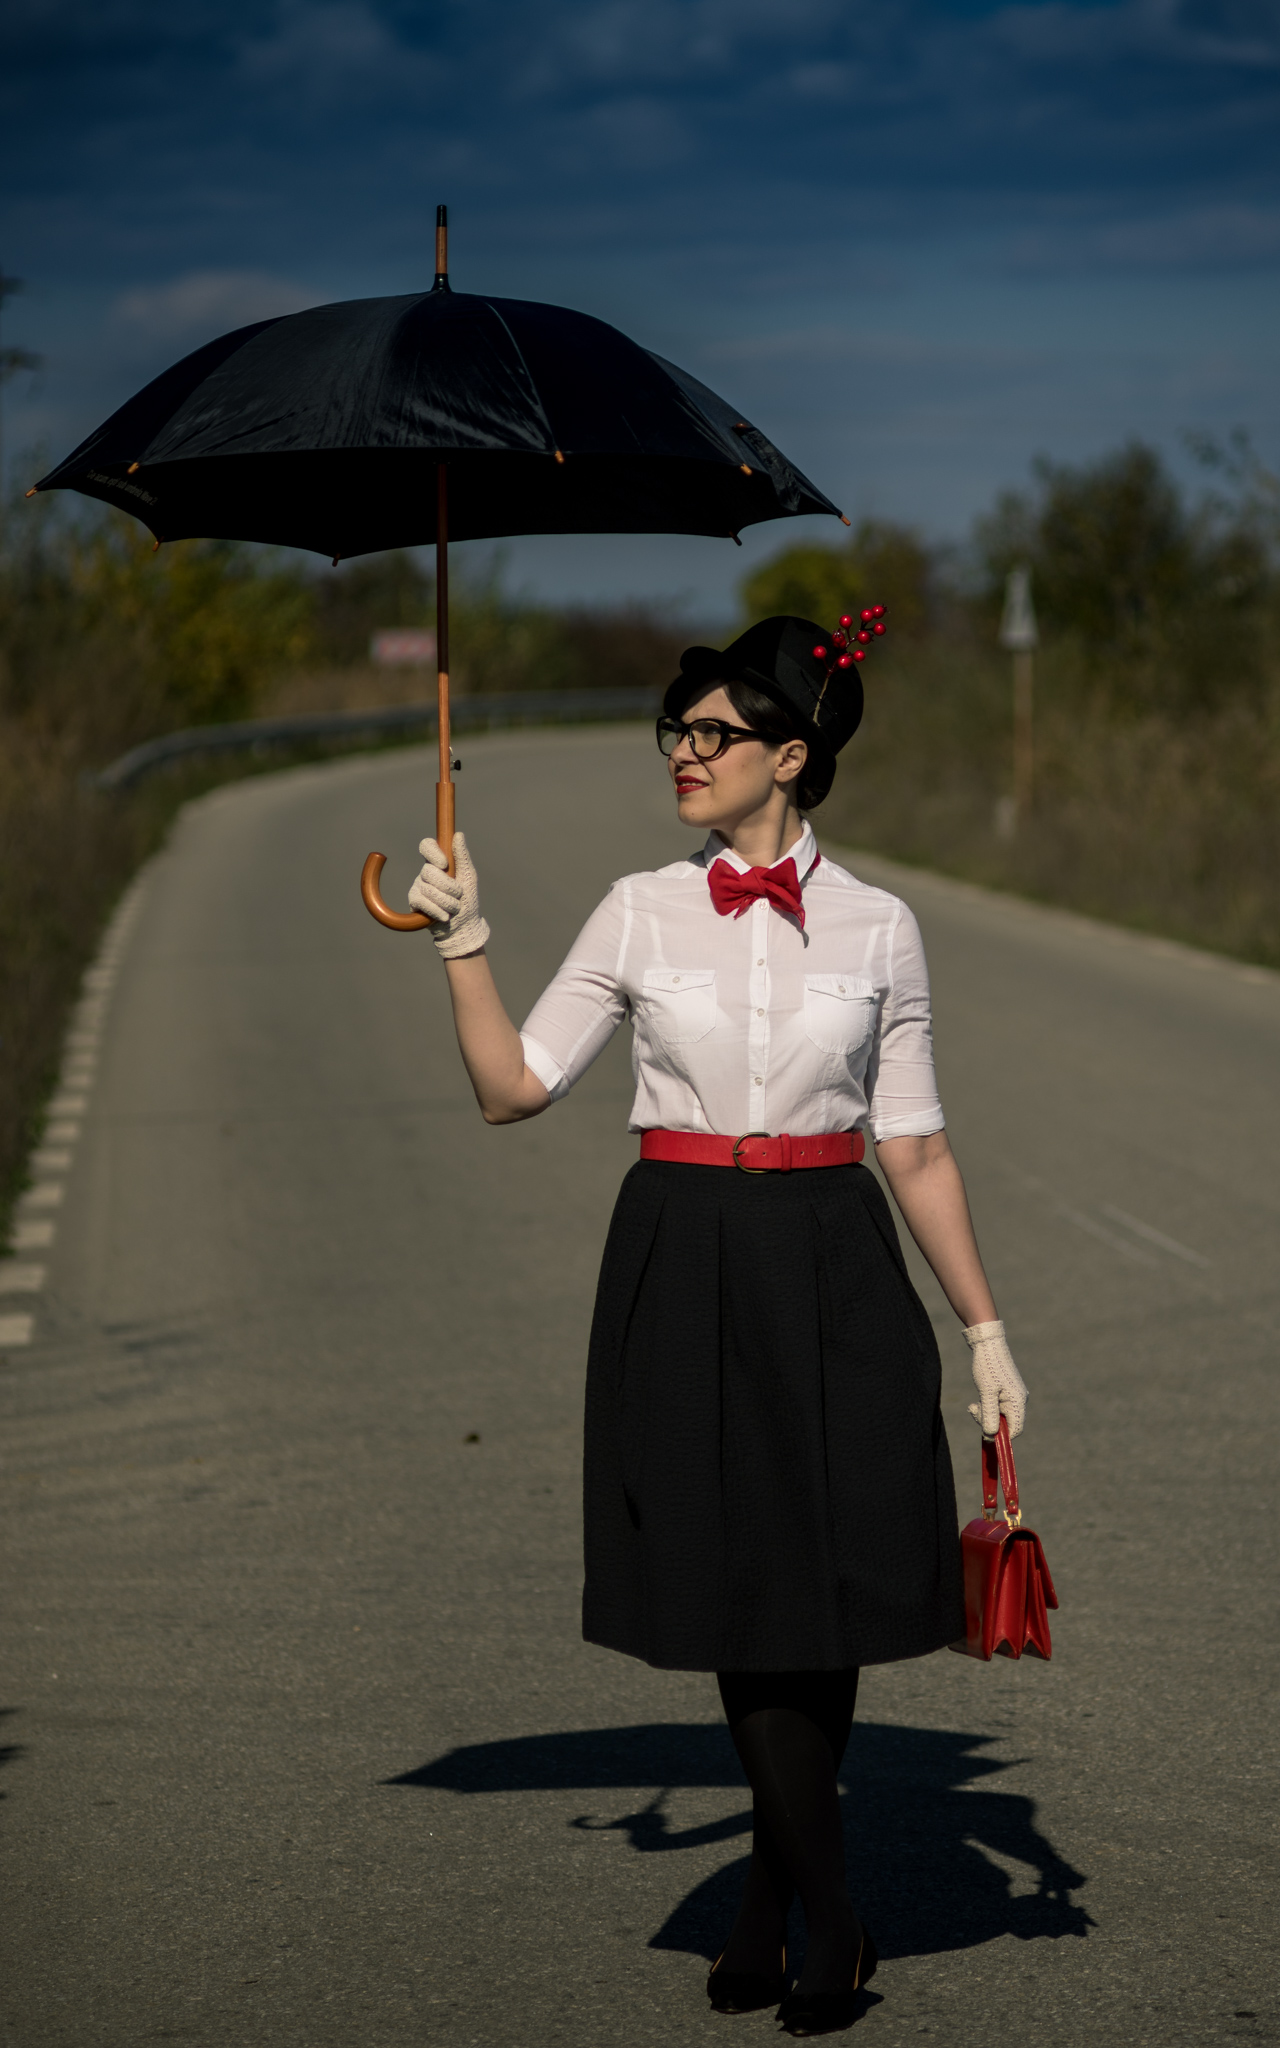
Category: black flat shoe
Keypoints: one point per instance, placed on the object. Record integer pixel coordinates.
(826, 2012)
(742, 1990)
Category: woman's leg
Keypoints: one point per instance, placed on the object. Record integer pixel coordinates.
(790, 1729)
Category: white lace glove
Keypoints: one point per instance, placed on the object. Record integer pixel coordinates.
(452, 902)
(997, 1379)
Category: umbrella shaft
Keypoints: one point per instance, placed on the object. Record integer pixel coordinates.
(444, 788)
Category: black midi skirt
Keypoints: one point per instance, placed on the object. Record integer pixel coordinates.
(767, 1480)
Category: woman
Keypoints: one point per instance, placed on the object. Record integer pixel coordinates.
(768, 1489)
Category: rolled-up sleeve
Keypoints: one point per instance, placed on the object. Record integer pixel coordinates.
(577, 1014)
(902, 1088)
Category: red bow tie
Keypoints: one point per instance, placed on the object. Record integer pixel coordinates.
(731, 891)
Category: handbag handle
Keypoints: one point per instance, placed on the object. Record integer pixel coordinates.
(997, 1463)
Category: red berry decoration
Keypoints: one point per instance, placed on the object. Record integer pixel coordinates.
(819, 653)
(879, 628)
(846, 661)
(846, 618)
(859, 654)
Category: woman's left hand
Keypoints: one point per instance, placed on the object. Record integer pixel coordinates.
(997, 1379)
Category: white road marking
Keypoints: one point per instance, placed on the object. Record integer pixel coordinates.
(62, 1130)
(1089, 1224)
(17, 1277)
(1153, 1236)
(1105, 1236)
(31, 1237)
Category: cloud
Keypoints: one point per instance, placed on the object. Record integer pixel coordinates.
(327, 53)
(1245, 35)
(843, 347)
(1199, 238)
(208, 302)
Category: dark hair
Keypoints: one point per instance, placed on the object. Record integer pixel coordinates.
(776, 724)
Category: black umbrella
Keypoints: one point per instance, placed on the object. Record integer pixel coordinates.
(381, 423)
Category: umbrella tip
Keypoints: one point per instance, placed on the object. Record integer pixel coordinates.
(442, 250)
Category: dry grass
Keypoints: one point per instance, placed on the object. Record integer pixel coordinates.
(1170, 825)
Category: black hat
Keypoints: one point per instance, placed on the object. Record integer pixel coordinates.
(797, 665)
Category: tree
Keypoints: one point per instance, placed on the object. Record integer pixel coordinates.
(881, 564)
(1167, 600)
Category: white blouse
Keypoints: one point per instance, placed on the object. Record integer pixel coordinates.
(749, 1023)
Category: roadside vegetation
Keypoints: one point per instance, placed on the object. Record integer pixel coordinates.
(1157, 704)
(1157, 697)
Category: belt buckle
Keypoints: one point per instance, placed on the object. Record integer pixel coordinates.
(742, 1141)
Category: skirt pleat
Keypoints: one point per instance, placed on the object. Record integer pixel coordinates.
(767, 1482)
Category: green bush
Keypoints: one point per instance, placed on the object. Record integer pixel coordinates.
(881, 564)
(103, 635)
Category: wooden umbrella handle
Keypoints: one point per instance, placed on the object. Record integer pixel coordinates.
(371, 872)
(395, 920)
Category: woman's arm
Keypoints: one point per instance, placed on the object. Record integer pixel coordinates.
(927, 1187)
(573, 1020)
(491, 1048)
(506, 1089)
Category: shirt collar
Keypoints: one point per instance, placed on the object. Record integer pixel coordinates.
(804, 853)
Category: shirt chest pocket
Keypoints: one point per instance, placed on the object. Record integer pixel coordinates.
(839, 1011)
(679, 1003)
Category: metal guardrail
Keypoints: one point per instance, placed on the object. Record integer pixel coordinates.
(467, 714)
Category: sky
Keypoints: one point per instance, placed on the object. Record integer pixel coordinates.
(918, 242)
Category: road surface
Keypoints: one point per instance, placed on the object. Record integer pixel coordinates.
(305, 1745)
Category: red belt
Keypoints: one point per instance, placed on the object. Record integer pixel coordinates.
(756, 1152)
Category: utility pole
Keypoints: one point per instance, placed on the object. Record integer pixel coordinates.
(11, 361)
(1018, 633)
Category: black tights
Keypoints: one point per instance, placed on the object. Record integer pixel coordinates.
(790, 1729)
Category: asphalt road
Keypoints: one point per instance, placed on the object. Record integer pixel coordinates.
(306, 1746)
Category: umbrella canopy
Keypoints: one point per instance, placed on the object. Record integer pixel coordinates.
(322, 429)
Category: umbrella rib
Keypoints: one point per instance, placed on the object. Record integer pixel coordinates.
(554, 447)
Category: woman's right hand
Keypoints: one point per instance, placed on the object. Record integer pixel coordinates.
(452, 902)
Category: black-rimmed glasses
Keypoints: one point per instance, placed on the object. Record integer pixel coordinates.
(709, 737)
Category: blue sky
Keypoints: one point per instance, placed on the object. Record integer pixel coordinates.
(917, 240)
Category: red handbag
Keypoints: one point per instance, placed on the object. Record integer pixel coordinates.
(1007, 1587)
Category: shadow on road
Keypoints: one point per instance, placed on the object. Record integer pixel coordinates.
(925, 1842)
